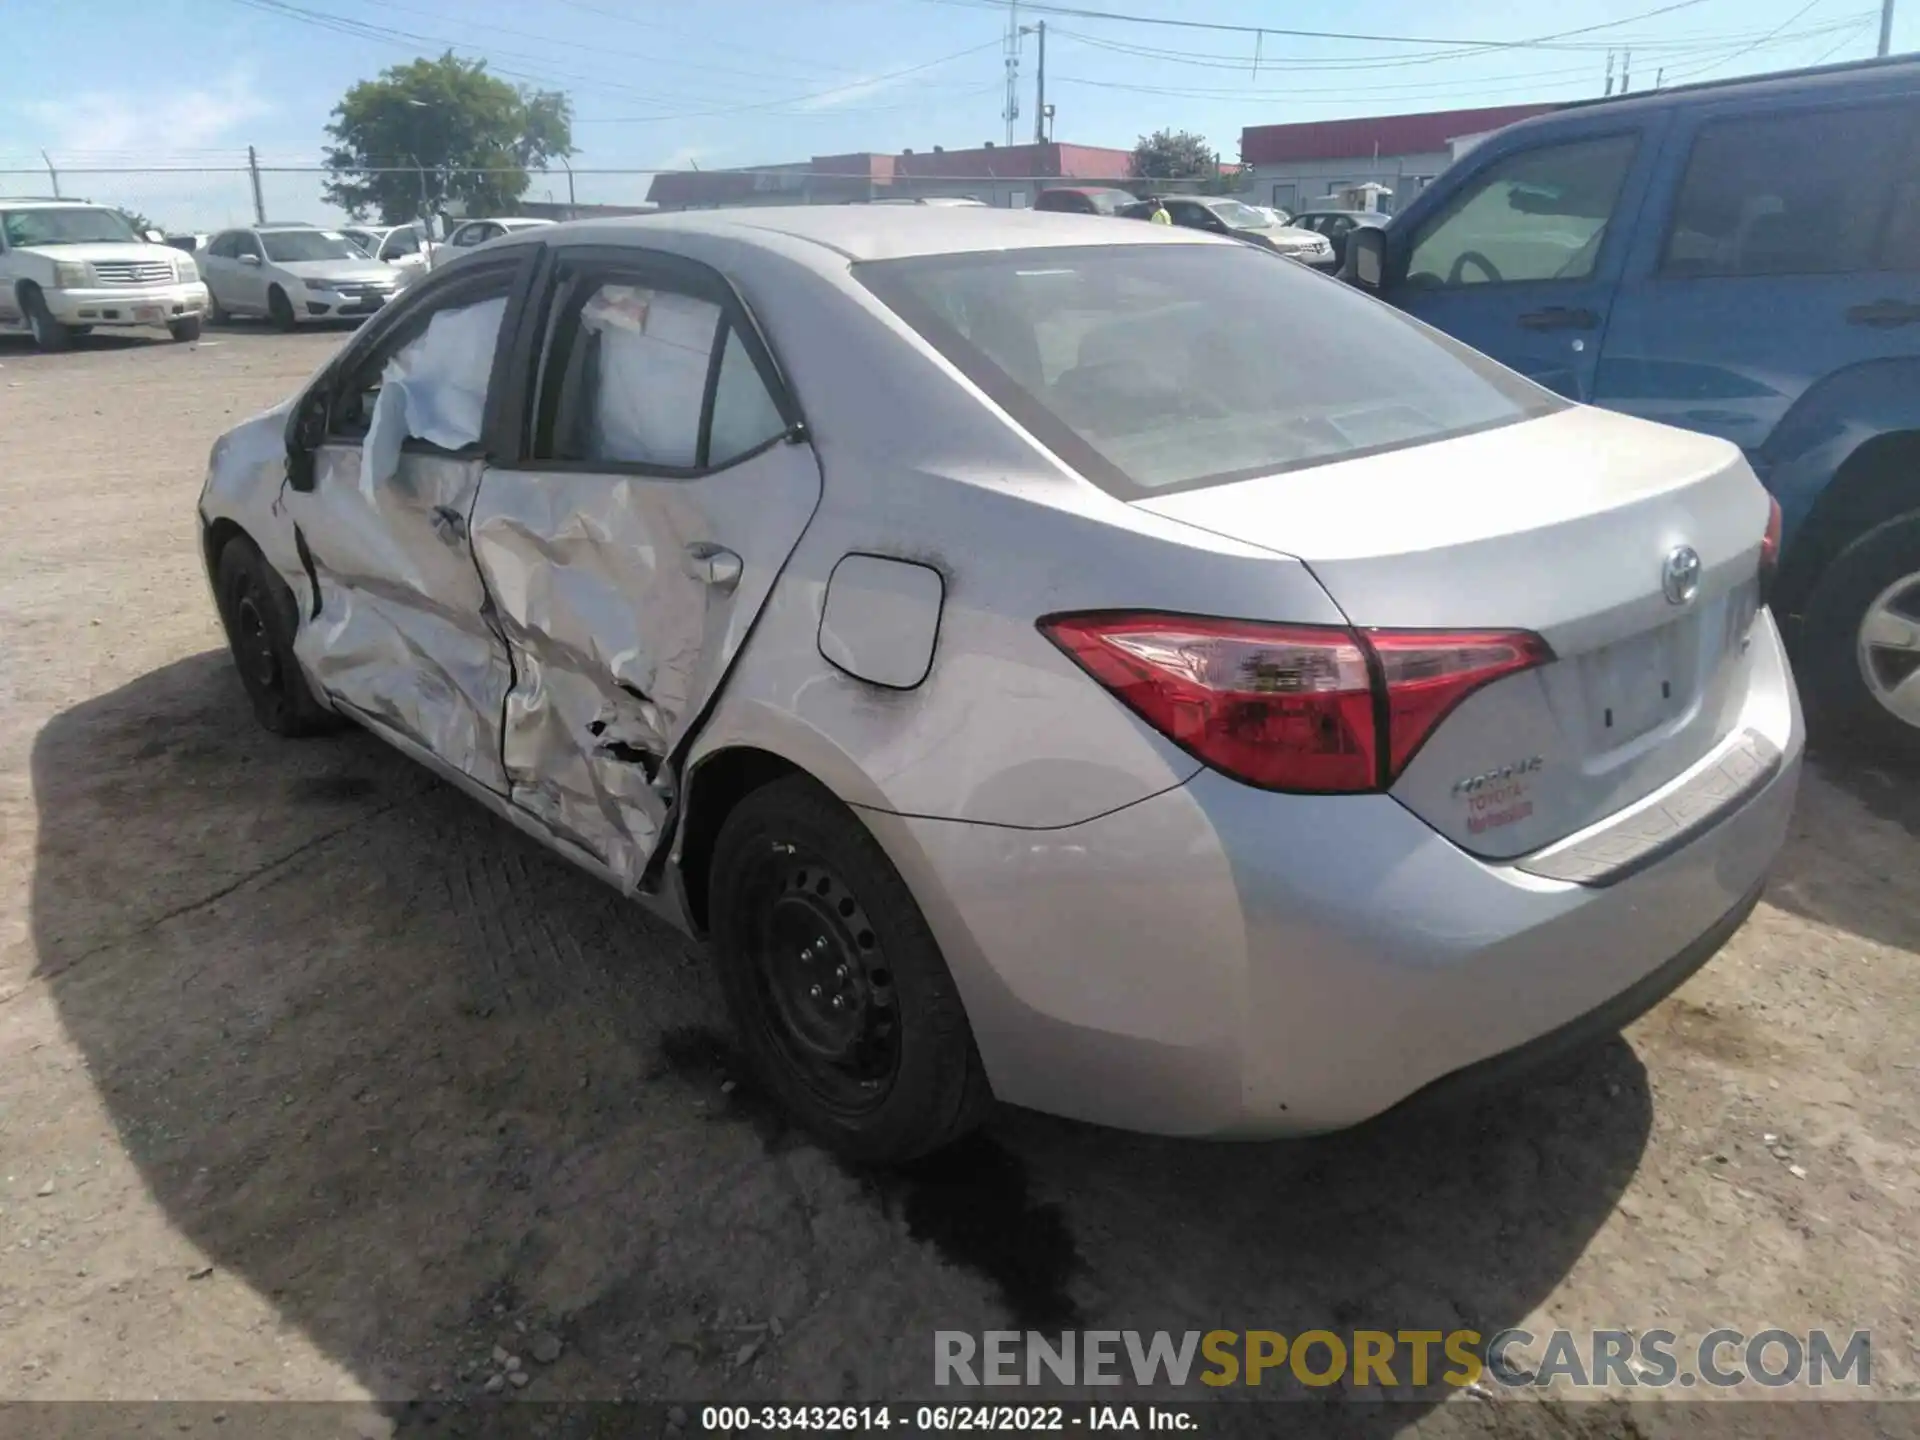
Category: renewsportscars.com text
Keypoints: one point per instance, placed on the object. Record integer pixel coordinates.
(1404, 1359)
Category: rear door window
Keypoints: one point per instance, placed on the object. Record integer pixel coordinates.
(1797, 194)
(1539, 214)
(644, 375)
(1153, 367)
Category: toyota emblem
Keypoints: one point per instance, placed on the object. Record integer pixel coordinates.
(1680, 576)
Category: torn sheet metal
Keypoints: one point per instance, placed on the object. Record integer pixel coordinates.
(433, 389)
(401, 633)
(617, 641)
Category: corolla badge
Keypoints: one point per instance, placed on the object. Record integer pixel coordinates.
(1680, 576)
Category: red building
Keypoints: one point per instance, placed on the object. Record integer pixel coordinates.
(1295, 165)
(995, 174)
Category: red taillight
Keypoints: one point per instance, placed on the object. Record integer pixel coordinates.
(1770, 549)
(1290, 707)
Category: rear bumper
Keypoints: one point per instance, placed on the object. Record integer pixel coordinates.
(1220, 961)
(127, 304)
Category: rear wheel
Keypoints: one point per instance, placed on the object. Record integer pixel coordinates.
(185, 331)
(280, 308)
(1859, 651)
(48, 333)
(258, 612)
(845, 1007)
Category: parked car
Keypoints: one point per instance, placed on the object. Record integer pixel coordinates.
(1083, 199)
(186, 243)
(1219, 215)
(921, 200)
(401, 246)
(1742, 259)
(67, 267)
(477, 232)
(1035, 681)
(1336, 225)
(292, 274)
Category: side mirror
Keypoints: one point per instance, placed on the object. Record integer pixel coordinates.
(249, 259)
(1366, 259)
(153, 237)
(304, 435)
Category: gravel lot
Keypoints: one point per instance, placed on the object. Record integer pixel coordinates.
(317, 1082)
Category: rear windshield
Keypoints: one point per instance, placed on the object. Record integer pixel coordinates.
(1150, 368)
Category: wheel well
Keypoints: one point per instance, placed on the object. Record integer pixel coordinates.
(214, 540)
(1864, 492)
(721, 782)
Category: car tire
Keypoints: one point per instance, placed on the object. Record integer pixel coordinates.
(807, 908)
(185, 331)
(49, 335)
(280, 309)
(216, 312)
(1853, 647)
(260, 618)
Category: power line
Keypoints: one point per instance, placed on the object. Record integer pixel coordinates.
(1042, 7)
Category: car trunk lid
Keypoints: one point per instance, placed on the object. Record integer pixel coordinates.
(1576, 527)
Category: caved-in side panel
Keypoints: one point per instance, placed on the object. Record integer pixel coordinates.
(401, 633)
(619, 598)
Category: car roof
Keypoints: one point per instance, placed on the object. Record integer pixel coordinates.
(48, 202)
(871, 232)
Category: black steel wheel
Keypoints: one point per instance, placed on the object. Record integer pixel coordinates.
(845, 1006)
(258, 612)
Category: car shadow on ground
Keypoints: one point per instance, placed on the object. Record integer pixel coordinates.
(420, 1084)
(1852, 861)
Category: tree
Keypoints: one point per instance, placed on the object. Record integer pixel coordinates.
(140, 223)
(1172, 155)
(439, 130)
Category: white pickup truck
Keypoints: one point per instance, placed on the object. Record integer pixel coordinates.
(67, 266)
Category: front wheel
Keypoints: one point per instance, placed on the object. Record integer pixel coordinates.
(260, 618)
(1859, 652)
(846, 1010)
(185, 331)
(49, 334)
(280, 309)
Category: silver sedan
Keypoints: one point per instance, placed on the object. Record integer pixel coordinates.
(1033, 681)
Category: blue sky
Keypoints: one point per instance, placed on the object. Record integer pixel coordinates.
(192, 83)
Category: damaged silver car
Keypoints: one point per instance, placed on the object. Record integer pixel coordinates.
(1033, 682)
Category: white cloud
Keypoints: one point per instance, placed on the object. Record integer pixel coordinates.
(164, 127)
(848, 93)
(163, 122)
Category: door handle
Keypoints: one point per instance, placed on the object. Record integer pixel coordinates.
(1884, 314)
(713, 565)
(449, 523)
(1559, 317)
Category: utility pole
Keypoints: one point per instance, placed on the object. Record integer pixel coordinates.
(1609, 89)
(1040, 84)
(1886, 26)
(52, 174)
(1626, 71)
(571, 203)
(259, 202)
(1012, 111)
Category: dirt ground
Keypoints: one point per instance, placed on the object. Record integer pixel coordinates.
(317, 1082)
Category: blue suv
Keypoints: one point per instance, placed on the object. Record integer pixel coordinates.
(1742, 259)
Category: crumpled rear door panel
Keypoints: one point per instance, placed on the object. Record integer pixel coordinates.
(618, 637)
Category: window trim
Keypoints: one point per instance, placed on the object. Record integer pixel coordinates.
(1470, 187)
(562, 271)
(1078, 454)
(1906, 109)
